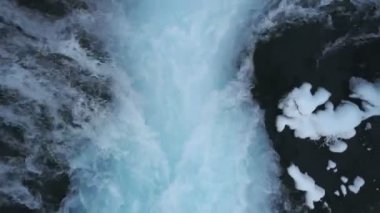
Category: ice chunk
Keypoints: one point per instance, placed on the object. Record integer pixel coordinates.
(305, 183)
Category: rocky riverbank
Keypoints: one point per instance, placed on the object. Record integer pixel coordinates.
(49, 91)
(324, 45)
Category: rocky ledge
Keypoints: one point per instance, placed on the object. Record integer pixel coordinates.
(342, 41)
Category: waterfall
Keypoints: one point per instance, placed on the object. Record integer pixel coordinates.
(185, 135)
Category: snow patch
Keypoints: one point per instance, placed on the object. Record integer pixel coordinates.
(344, 179)
(332, 123)
(343, 189)
(330, 165)
(305, 183)
(358, 183)
(368, 126)
(369, 93)
(337, 146)
(298, 114)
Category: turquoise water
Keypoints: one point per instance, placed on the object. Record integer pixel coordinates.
(185, 136)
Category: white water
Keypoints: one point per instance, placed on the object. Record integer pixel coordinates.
(186, 136)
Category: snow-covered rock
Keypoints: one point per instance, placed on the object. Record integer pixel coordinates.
(326, 52)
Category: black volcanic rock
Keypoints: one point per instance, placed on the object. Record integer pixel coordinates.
(342, 43)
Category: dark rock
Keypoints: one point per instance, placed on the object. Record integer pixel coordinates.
(17, 209)
(70, 72)
(93, 46)
(49, 7)
(53, 8)
(326, 52)
(40, 106)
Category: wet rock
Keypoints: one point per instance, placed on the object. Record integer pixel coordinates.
(45, 96)
(325, 52)
(17, 209)
(93, 46)
(53, 8)
(68, 71)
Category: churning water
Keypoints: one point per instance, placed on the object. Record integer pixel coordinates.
(185, 135)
